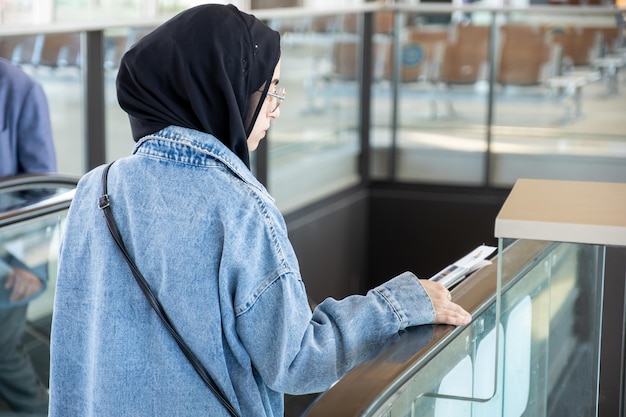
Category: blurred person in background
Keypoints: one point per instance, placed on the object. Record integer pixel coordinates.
(26, 147)
(26, 142)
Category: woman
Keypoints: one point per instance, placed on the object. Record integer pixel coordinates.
(201, 92)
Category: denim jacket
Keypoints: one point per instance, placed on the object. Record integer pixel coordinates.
(214, 249)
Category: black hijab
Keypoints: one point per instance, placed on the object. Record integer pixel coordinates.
(200, 70)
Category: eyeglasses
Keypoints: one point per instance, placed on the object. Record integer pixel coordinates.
(276, 98)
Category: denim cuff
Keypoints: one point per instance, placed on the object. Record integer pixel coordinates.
(408, 299)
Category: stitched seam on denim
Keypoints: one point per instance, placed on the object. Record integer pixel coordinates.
(279, 274)
(171, 136)
(432, 306)
(397, 312)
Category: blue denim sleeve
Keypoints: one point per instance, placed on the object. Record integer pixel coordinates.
(297, 351)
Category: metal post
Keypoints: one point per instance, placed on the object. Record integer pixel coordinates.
(92, 50)
(365, 89)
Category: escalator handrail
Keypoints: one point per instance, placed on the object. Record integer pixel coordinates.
(373, 382)
(19, 181)
(51, 204)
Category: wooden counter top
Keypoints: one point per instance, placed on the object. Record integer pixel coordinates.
(565, 211)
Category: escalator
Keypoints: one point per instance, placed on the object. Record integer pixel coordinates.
(33, 209)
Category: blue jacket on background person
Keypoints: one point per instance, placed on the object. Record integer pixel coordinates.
(26, 147)
(26, 143)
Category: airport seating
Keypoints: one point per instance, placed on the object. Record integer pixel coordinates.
(524, 55)
(582, 44)
(466, 56)
(20, 49)
(577, 44)
(341, 78)
(422, 54)
(56, 50)
(59, 50)
(346, 59)
(465, 62)
(444, 64)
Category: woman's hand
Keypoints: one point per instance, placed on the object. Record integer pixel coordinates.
(446, 312)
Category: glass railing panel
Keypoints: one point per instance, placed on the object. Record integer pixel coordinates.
(535, 355)
(28, 258)
(554, 113)
(30, 236)
(565, 123)
(556, 100)
(34, 245)
(316, 137)
(442, 103)
(575, 329)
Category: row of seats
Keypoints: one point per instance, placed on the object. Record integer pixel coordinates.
(52, 50)
(459, 54)
(58, 50)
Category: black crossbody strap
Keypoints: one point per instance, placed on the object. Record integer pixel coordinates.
(104, 204)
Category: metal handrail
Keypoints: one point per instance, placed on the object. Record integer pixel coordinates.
(376, 380)
(53, 203)
(21, 181)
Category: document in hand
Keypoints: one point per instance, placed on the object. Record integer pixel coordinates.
(473, 261)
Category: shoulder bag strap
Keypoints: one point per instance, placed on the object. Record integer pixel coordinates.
(104, 204)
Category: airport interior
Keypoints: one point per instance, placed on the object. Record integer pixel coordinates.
(406, 129)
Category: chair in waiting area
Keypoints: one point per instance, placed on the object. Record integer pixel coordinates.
(466, 57)
(59, 50)
(420, 60)
(423, 53)
(581, 45)
(525, 54)
(465, 60)
(577, 44)
(345, 60)
(343, 75)
(19, 49)
(608, 37)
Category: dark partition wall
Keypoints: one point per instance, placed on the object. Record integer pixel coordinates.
(423, 229)
(330, 240)
(357, 240)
